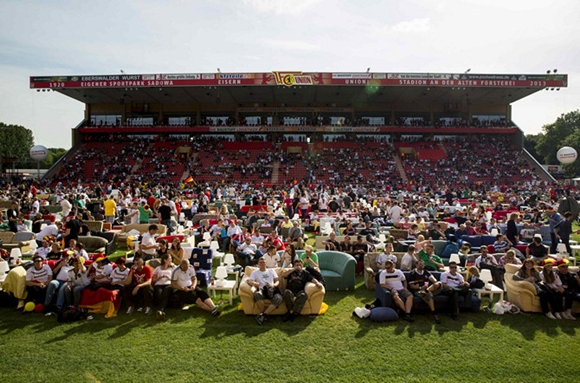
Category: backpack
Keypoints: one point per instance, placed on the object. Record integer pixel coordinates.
(450, 248)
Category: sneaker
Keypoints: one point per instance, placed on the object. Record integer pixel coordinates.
(408, 318)
(558, 316)
(215, 312)
(261, 318)
(140, 309)
(130, 310)
(185, 307)
(550, 315)
(486, 309)
(148, 311)
(160, 315)
(569, 315)
(436, 318)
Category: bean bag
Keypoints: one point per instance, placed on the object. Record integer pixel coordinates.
(383, 314)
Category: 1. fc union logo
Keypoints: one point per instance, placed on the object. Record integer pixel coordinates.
(292, 78)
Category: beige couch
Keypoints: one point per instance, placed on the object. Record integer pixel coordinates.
(22, 240)
(320, 239)
(523, 293)
(312, 306)
(370, 270)
(140, 227)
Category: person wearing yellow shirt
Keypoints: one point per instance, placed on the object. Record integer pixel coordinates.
(110, 209)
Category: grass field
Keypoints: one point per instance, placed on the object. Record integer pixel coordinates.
(192, 346)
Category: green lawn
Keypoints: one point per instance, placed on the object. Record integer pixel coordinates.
(336, 347)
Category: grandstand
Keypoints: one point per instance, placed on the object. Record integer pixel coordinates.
(392, 130)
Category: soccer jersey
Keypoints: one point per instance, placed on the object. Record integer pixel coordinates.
(183, 278)
(419, 278)
(393, 279)
(118, 277)
(272, 261)
(104, 271)
(264, 278)
(141, 276)
(451, 280)
(41, 275)
(77, 278)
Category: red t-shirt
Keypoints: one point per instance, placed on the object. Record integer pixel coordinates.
(278, 243)
(142, 276)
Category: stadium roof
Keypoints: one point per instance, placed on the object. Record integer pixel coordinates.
(293, 87)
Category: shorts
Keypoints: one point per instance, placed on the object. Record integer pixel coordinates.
(404, 294)
(273, 294)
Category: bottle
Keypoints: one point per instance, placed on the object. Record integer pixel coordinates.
(212, 281)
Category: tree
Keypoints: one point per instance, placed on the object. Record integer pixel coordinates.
(555, 135)
(531, 143)
(15, 141)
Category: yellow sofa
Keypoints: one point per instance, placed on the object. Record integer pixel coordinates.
(246, 293)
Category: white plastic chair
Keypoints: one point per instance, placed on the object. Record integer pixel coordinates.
(485, 276)
(454, 258)
(327, 229)
(207, 236)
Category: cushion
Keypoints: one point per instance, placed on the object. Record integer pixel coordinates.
(383, 314)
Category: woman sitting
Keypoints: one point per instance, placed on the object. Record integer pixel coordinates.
(529, 273)
(176, 251)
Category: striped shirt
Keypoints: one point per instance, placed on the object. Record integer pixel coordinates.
(41, 275)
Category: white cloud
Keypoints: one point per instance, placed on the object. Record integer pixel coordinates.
(292, 45)
(415, 25)
(281, 7)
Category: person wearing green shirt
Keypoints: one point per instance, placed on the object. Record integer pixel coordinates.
(309, 258)
(432, 262)
(144, 212)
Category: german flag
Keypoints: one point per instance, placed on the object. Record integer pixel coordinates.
(188, 179)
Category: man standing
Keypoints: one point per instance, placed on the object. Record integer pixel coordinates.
(148, 246)
(12, 215)
(110, 209)
(424, 285)
(454, 285)
(184, 281)
(554, 220)
(72, 228)
(165, 213)
(265, 281)
(294, 295)
(394, 281)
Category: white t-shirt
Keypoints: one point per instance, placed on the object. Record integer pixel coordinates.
(393, 279)
(382, 258)
(451, 280)
(63, 273)
(41, 275)
(77, 279)
(105, 270)
(395, 213)
(118, 277)
(48, 230)
(263, 277)
(164, 275)
(272, 262)
(183, 278)
(407, 261)
(148, 240)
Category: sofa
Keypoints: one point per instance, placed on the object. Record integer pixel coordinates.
(321, 239)
(338, 269)
(523, 293)
(142, 228)
(95, 244)
(370, 267)
(469, 302)
(312, 306)
(476, 241)
(22, 240)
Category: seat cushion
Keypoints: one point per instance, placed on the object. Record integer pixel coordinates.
(383, 314)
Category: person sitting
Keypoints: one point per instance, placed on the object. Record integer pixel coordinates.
(294, 295)
(501, 244)
(148, 246)
(488, 261)
(571, 288)
(386, 255)
(161, 281)
(359, 249)
(289, 256)
(138, 287)
(295, 236)
(247, 251)
(409, 259)
(61, 270)
(37, 279)
(432, 261)
(176, 251)
(346, 246)
(77, 281)
(119, 275)
(394, 281)
(331, 243)
(553, 286)
(453, 286)
(528, 272)
(265, 282)
(536, 250)
(184, 282)
(272, 258)
(309, 258)
(424, 285)
(99, 273)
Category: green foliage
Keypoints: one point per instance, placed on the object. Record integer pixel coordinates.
(555, 135)
(15, 141)
(530, 144)
(54, 154)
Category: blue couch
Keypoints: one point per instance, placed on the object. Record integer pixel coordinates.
(470, 302)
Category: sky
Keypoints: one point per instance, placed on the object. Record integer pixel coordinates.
(61, 37)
